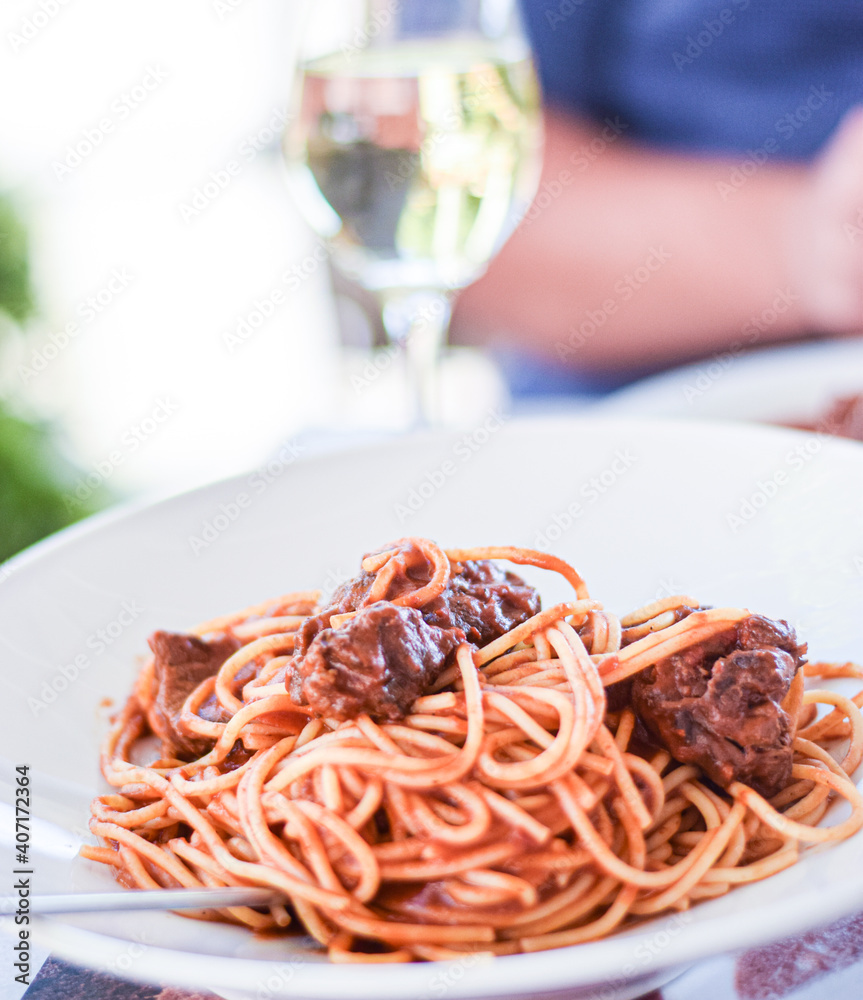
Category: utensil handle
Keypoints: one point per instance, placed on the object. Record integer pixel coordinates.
(145, 899)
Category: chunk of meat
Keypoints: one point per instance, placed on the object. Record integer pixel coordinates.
(718, 703)
(379, 662)
(756, 632)
(181, 663)
(481, 600)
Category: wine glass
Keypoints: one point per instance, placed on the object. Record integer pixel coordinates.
(414, 147)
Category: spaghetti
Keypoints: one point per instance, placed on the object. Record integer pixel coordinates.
(515, 806)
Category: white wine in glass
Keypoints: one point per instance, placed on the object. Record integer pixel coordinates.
(415, 148)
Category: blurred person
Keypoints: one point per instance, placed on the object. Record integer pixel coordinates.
(702, 187)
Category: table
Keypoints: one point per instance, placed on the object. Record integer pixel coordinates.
(827, 962)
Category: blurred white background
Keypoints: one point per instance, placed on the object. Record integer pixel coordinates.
(141, 138)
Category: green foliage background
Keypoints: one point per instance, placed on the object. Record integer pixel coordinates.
(36, 479)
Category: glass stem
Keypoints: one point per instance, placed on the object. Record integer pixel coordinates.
(417, 323)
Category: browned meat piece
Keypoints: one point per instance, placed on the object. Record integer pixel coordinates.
(718, 704)
(481, 600)
(181, 663)
(378, 662)
(756, 632)
(344, 599)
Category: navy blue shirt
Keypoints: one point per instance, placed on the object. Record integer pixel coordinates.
(704, 75)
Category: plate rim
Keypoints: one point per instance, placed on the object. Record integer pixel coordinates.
(561, 965)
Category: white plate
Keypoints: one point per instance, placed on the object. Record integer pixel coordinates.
(792, 384)
(641, 508)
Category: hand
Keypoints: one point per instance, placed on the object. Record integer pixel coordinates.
(829, 251)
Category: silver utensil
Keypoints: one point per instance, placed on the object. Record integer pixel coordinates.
(144, 899)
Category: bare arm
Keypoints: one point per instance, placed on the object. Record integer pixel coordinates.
(631, 257)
